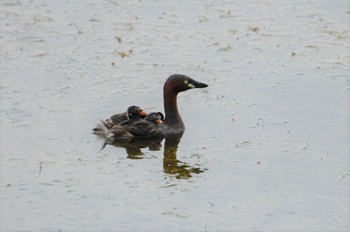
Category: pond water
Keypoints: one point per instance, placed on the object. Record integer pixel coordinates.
(266, 146)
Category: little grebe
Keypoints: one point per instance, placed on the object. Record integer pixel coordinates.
(156, 117)
(131, 112)
(139, 128)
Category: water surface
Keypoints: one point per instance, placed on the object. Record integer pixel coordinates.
(266, 145)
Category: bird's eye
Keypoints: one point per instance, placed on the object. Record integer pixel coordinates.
(186, 82)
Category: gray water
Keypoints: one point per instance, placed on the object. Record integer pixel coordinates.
(266, 146)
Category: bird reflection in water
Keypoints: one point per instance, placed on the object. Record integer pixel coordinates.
(171, 165)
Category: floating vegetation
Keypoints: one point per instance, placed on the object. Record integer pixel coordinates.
(124, 54)
(94, 20)
(76, 26)
(243, 144)
(119, 39)
(233, 32)
(225, 49)
(312, 46)
(41, 18)
(40, 166)
(40, 54)
(203, 19)
(255, 29)
(339, 34)
(343, 175)
(226, 14)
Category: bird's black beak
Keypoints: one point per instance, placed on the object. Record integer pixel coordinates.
(196, 84)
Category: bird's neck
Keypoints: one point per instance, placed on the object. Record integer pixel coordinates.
(172, 115)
